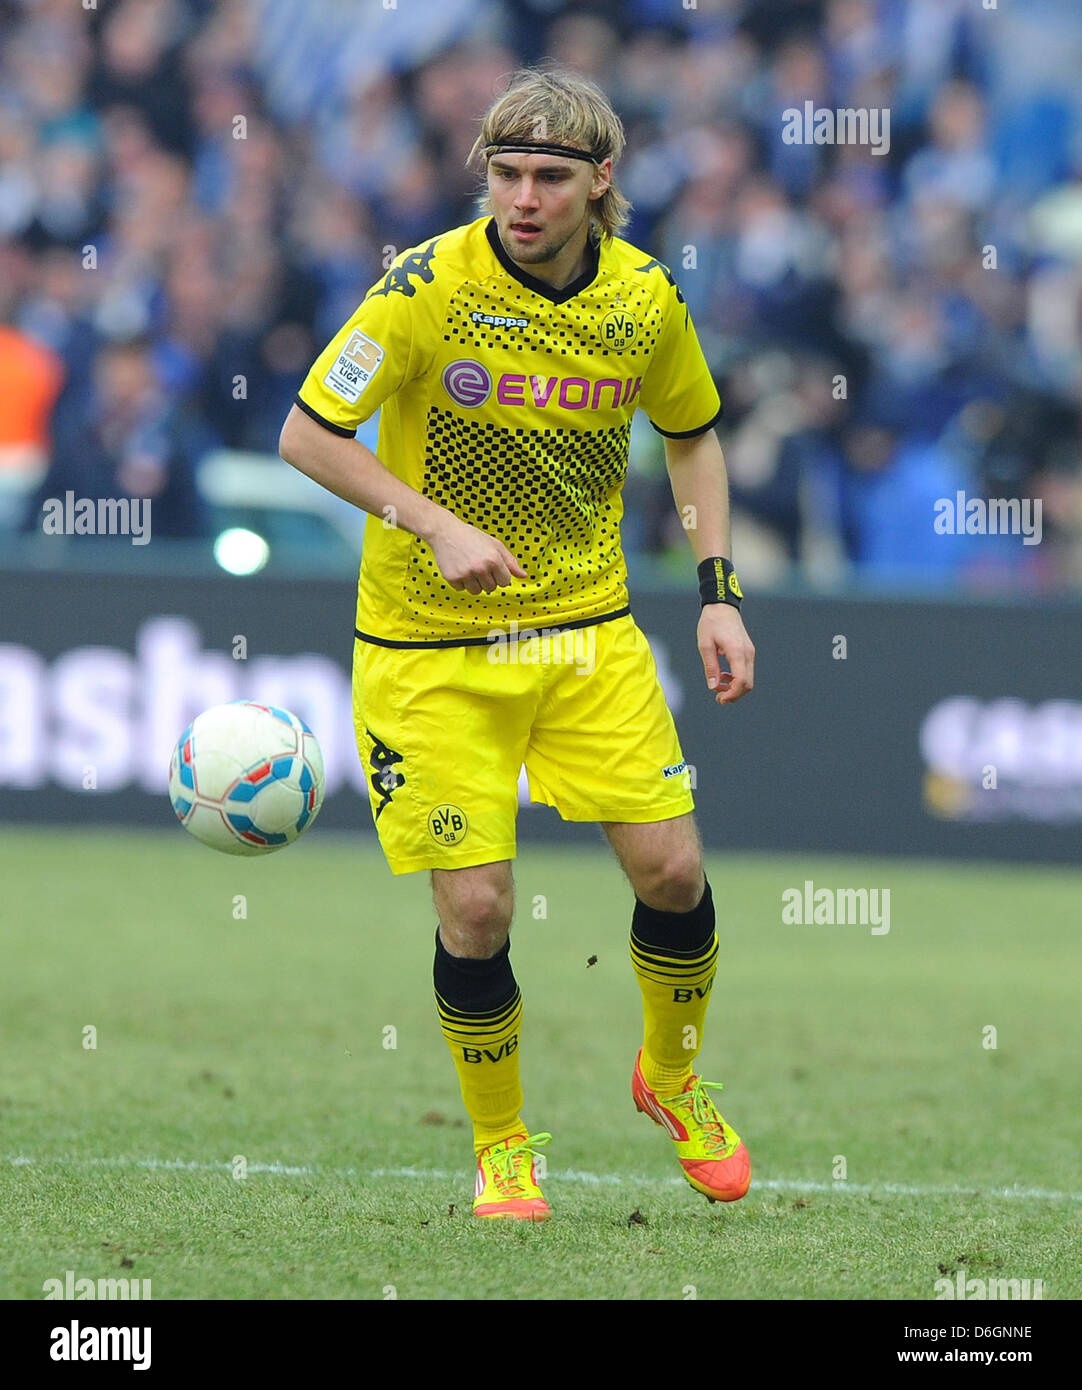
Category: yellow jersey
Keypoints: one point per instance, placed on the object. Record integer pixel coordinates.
(509, 403)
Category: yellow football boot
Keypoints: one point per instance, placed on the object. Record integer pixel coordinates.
(714, 1160)
(507, 1180)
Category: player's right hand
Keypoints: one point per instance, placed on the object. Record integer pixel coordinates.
(471, 559)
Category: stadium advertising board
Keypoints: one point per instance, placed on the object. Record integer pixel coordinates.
(909, 728)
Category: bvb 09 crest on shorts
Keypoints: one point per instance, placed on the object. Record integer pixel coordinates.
(618, 330)
(447, 824)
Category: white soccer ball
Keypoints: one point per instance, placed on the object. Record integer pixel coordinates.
(246, 778)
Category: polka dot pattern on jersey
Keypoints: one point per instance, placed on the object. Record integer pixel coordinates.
(551, 496)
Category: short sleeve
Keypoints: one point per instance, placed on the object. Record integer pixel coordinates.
(366, 361)
(678, 391)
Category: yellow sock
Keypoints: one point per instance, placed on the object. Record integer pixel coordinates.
(675, 989)
(484, 1047)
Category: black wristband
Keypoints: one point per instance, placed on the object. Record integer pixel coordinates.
(718, 582)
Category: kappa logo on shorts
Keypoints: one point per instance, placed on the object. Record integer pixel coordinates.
(447, 824)
(385, 780)
(675, 770)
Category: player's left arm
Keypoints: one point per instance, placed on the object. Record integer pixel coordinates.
(700, 488)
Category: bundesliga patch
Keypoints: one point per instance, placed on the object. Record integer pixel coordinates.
(675, 770)
(357, 364)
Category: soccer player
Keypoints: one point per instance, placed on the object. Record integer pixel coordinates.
(493, 629)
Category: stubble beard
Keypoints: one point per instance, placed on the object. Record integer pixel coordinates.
(534, 252)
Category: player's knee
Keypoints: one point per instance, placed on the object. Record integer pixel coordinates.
(673, 882)
(475, 914)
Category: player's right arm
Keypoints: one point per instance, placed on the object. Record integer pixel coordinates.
(468, 558)
(369, 359)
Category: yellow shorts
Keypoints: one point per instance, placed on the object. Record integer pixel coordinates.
(443, 733)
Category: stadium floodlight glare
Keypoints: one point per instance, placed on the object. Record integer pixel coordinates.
(240, 551)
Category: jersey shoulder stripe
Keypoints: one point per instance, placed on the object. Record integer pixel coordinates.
(678, 360)
(391, 337)
(444, 261)
(661, 280)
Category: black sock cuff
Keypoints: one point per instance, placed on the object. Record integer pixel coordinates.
(676, 933)
(473, 986)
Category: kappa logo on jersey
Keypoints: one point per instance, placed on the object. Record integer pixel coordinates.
(447, 824)
(397, 280)
(357, 364)
(498, 320)
(618, 330)
(385, 780)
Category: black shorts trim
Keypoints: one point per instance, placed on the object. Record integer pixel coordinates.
(690, 434)
(485, 641)
(327, 425)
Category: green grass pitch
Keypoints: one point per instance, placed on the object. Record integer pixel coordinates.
(264, 1038)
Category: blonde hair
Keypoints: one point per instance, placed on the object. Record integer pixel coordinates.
(554, 106)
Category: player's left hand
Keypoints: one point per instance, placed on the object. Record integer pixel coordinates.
(721, 634)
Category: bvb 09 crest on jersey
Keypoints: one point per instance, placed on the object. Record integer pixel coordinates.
(618, 330)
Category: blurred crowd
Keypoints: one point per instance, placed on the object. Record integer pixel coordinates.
(195, 195)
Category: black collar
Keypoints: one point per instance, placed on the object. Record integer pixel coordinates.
(540, 287)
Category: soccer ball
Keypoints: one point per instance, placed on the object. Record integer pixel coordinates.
(246, 778)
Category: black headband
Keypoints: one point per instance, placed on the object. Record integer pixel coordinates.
(543, 147)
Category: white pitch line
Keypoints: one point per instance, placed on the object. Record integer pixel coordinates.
(573, 1175)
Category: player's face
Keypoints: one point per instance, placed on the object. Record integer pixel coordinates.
(541, 202)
